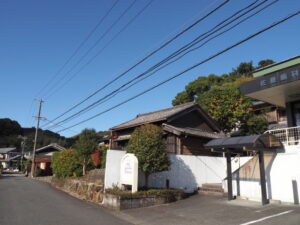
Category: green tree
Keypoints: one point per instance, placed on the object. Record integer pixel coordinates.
(66, 163)
(265, 62)
(85, 146)
(256, 124)
(226, 106)
(244, 69)
(9, 127)
(149, 146)
(182, 97)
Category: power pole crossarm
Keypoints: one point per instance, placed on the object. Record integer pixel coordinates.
(38, 117)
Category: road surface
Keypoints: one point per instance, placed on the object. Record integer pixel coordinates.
(24, 201)
(29, 202)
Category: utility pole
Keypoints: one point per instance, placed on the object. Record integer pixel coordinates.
(23, 144)
(38, 117)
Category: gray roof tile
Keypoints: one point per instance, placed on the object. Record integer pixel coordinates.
(155, 116)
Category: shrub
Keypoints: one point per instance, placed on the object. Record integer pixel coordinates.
(66, 163)
(146, 193)
(149, 147)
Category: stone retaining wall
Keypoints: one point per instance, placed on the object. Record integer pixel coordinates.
(80, 188)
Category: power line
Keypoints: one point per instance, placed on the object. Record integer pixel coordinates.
(193, 49)
(105, 46)
(177, 52)
(146, 57)
(88, 51)
(79, 47)
(75, 132)
(190, 68)
(204, 43)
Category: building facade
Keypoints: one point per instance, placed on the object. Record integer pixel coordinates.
(186, 129)
(279, 85)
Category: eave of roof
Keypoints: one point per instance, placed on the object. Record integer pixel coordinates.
(52, 145)
(196, 132)
(277, 66)
(6, 150)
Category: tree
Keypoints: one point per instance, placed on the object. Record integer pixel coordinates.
(66, 163)
(149, 147)
(181, 98)
(264, 63)
(226, 106)
(85, 146)
(9, 127)
(244, 69)
(256, 124)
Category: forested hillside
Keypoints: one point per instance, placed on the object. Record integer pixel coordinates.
(12, 134)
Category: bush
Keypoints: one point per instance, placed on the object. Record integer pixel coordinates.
(149, 146)
(66, 163)
(146, 193)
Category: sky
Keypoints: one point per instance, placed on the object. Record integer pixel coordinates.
(38, 37)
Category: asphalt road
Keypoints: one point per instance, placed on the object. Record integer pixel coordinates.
(28, 202)
(209, 210)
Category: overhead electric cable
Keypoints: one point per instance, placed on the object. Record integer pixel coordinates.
(146, 57)
(89, 50)
(204, 43)
(82, 43)
(75, 132)
(190, 68)
(208, 33)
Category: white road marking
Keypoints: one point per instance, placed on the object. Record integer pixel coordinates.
(267, 217)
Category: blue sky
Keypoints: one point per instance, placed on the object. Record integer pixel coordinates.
(37, 37)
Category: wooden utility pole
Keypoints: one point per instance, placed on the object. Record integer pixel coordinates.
(23, 144)
(38, 117)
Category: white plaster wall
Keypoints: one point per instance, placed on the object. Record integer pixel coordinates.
(285, 169)
(187, 172)
(113, 168)
(190, 172)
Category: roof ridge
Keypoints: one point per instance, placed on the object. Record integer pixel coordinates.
(166, 109)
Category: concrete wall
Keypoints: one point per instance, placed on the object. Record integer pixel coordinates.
(282, 176)
(186, 173)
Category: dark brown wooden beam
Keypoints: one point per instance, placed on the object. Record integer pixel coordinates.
(264, 199)
(229, 175)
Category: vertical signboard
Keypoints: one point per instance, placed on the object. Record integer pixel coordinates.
(129, 171)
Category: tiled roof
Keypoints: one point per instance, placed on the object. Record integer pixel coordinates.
(192, 132)
(155, 116)
(6, 150)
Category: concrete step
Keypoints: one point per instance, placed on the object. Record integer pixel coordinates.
(214, 189)
(212, 185)
(213, 193)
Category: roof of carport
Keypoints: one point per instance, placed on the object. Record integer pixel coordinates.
(250, 143)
